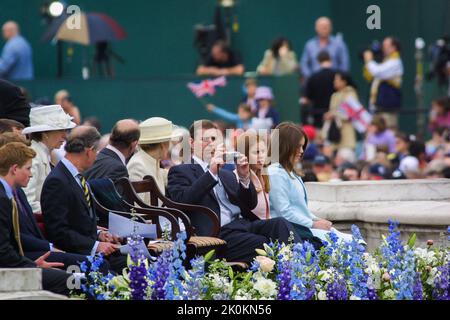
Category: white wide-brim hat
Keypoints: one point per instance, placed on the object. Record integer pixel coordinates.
(156, 130)
(49, 118)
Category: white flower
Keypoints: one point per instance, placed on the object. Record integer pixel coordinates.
(265, 287)
(322, 295)
(265, 264)
(352, 297)
(324, 275)
(432, 276)
(389, 294)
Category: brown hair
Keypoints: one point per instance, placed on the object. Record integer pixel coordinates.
(14, 153)
(289, 138)
(203, 124)
(379, 122)
(245, 107)
(248, 140)
(7, 125)
(9, 137)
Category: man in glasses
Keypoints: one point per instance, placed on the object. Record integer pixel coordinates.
(204, 182)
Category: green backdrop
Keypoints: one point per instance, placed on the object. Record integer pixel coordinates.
(160, 57)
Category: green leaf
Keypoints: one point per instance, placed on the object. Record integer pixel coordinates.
(268, 250)
(231, 273)
(308, 256)
(209, 255)
(412, 240)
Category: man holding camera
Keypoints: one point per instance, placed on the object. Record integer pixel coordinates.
(203, 182)
(386, 78)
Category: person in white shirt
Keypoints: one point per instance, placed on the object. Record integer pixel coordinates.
(386, 78)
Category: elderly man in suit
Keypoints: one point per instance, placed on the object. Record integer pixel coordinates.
(15, 172)
(67, 206)
(203, 182)
(112, 161)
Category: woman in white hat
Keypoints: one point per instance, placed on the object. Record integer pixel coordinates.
(48, 127)
(154, 143)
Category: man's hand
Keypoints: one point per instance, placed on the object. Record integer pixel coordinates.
(107, 248)
(368, 56)
(47, 265)
(210, 107)
(105, 236)
(217, 159)
(243, 168)
(322, 224)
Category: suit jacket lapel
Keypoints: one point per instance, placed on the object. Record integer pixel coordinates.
(75, 186)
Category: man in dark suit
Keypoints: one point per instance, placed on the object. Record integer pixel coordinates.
(203, 182)
(67, 206)
(111, 161)
(15, 171)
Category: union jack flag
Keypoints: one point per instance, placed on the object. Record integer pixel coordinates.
(207, 87)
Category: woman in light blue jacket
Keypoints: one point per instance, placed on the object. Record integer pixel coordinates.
(288, 197)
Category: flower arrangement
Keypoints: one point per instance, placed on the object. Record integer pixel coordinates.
(338, 271)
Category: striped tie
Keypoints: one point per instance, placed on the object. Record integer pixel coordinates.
(16, 225)
(87, 195)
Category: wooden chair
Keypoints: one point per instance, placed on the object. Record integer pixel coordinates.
(107, 200)
(196, 245)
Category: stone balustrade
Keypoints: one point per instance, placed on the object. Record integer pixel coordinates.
(420, 206)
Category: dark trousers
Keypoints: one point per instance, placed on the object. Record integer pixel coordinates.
(55, 280)
(243, 237)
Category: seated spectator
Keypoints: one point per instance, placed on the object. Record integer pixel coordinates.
(345, 89)
(254, 147)
(16, 61)
(313, 148)
(47, 132)
(242, 119)
(222, 62)
(111, 162)
(318, 91)
(378, 135)
(67, 205)
(435, 147)
(335, 46)
(8, 137)
(154, 141)
(288, 197)
(33, 243)
(63, 98)
(414, 163)
(9, 125)
(322, 168)
(93, 122)
(279, 59)
(440, 114)
(203, 182)
(15, 171)
(350, 172)
(250, 86)
(267, 116)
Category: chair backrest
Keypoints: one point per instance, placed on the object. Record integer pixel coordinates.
(148, 185)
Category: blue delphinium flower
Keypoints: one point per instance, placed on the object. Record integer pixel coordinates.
(441, 283)
(138, 281)
(284, 280)
(418, 289)
(194, 278)
(158, 273)
(337, 289)
(174, 288)
(358, 278)
(304, 270)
